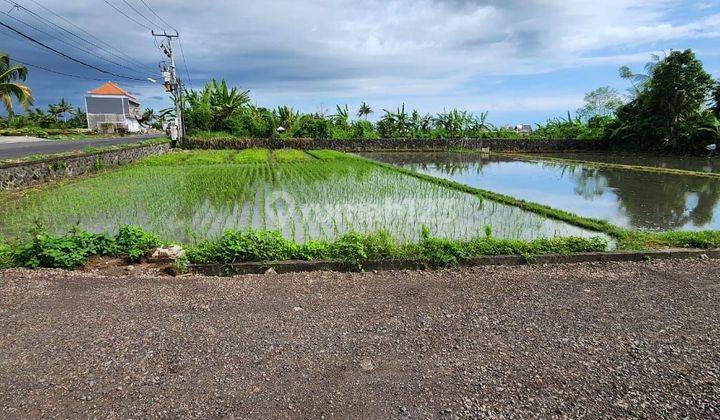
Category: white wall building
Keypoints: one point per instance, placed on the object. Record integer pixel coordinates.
(111, 108)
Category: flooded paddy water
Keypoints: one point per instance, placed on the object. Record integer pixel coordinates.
(628, 198)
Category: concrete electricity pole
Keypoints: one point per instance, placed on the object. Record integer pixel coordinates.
(172, 84)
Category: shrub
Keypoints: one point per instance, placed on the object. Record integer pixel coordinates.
(351, 248)
(68, 251)
(6, 257)
(254, 246)
(313, 251)
(134, 242)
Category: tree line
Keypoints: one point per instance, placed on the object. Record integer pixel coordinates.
(674, 105)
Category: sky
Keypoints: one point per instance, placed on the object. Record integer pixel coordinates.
(521, 61)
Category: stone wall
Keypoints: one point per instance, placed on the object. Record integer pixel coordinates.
(357, 145)
(27, 174)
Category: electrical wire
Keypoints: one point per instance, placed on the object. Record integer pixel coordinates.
(128, 16)
(182, 51)
(139, 13)
(55, 71)
(81, 29)
(187, 70)
(47, 47)
(71, 44)
(157, 16)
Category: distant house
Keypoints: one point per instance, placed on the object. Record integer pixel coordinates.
(524, 128)
(110, 108)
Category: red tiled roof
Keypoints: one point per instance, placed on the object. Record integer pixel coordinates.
(111, 88)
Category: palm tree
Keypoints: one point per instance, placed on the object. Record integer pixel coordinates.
(11, 88)
(364, 110)
(54, 110)
(147, 118)
(640, 80)
(78, 117)
(64, 107)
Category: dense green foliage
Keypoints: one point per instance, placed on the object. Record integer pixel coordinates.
(56, 119)
(73, 249)
(220, 112)
(263, 246)
(669, 110)
(672, 107)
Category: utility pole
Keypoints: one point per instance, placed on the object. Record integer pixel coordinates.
(172, 84)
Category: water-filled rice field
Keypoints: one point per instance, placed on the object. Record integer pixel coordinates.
(190, 196)
(627, 198)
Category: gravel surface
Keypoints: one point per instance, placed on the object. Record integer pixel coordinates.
(597, 340)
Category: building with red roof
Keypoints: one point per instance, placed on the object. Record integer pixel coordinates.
(111, 108)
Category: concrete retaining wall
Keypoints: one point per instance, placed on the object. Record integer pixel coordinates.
(307, 266)
(363, 145)
(27, 174)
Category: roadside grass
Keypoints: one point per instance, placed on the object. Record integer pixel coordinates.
(75, 248)
(67, 137)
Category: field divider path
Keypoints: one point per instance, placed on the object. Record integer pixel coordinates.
(541, 209)
(651, 169)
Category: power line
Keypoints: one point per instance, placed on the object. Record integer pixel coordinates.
(157, 16)
(139, 13)
(127, 16)
(33, 40)
(182, 51)
(81, 29)
(187, 70)
(57, 72)
(45, 21)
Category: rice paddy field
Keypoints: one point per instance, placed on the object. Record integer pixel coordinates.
(633, 199)
(191, 196)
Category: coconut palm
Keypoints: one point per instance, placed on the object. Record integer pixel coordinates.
(64, 107)
(364, 110)
(11, 86)
(54, 111)
(640, 80)
(147, 118)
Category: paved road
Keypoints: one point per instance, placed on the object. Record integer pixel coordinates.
(16, 150)
(616, 340)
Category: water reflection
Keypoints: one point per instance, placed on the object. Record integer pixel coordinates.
(633, 199)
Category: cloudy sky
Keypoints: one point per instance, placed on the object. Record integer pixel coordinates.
(523, 61)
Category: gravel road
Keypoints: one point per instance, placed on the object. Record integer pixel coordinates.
(597, 340)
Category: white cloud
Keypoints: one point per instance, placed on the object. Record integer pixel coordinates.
(343, 48)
